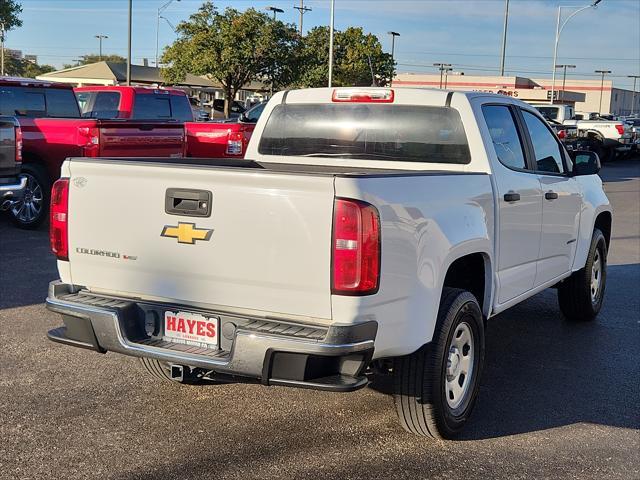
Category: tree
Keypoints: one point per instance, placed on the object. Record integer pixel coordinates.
(17, 67)
(232, 48)
(358, 59)
(94, 57)
(9, 11)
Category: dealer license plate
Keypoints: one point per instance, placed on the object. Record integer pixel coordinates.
(191, 329)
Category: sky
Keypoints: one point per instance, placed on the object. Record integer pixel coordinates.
(465, 33)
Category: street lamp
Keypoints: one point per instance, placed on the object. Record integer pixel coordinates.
(275, 11)
(443, 67)
(564, 74)
(603, 72)
(559, 29)
(160, 10)
(393, 50)
(633, 96)
(100, 38)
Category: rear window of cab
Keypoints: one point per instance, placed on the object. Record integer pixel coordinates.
(368, 131)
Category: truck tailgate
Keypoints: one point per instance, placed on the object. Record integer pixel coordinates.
(141, 139)
(265, 246)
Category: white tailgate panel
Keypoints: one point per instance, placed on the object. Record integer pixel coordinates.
(269, 250)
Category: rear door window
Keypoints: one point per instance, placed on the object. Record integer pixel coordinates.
(61, 103)
(504, 135)
(152, 107)
(366, 131)
(22, 102)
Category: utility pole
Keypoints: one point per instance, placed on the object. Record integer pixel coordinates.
(564, 74)
(393, 52)
(633, 96)
(100, 38)
(446, 75)
(603, 73)
(302, 9)
(331, 24)
(129, 44)
(2, 49)
(504, 37)
(442, 67)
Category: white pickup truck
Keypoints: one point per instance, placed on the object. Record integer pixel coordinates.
(369, 230)
(607, 138)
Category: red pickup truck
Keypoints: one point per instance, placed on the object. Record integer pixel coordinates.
(53, 130)
(144, 103)
(222, 139)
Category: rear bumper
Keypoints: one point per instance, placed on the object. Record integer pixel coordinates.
(274, 352)
(14, 189)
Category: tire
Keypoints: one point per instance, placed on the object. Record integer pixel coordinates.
(581, 295)
(422, 395)
(162, 371)
(34, 208)
(606, 154)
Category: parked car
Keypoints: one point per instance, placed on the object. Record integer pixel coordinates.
(138, 103)
(217, 109)
(365, 225)
(53, 130)
(607, 138)
(222, 139)
(12, 186)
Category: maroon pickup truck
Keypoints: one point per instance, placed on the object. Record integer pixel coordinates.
(53, 130)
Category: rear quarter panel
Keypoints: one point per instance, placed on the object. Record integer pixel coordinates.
(428, 221)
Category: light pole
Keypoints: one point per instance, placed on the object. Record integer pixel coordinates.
(160, 10)
(275, 11)
(2, 49)
(504, 37)
(559, 28)
(129, 44)
(100, 38)
(331, 24)
(603, 73)
(564, 74)
(442, 67)
(393, 52)
(446, 75)
(633, 95)
(302, 9)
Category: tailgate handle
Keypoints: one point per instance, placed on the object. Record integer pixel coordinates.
(146, 128)
(188, 202)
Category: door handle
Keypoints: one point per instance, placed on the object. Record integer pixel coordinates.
(511, 196)
(550, 195)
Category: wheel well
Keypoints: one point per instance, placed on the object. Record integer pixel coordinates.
(603, 223)
(468, 273)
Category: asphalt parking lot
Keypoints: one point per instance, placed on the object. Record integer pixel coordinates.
(557, 400)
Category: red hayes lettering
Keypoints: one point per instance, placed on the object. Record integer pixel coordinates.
(189, 326)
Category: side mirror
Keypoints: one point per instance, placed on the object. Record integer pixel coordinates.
(243, 118)
(585, 162)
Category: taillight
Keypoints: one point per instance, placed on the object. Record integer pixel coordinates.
(562, 134)
(363, 95)
(59, 217)
(234, 143)
(620, 129)
(356, 248)
(18, 144)
(89, 140)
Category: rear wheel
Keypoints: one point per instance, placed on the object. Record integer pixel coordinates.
(435, 388)
(581, 295)
(31, 211)
(162, 371)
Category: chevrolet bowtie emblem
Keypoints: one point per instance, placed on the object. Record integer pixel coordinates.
(186, 233)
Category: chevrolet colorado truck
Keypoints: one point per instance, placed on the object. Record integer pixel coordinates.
(53, 130)
(367, 230)
(608, 138)
(12, 185)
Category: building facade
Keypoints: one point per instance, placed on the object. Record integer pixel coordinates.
(585, 95)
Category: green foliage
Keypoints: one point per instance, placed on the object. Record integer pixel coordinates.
(9, 11)
(94, 57)
(15, 67)
(356, 55)
(232, 48)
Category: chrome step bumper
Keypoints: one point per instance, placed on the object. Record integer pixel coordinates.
(275, 352)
